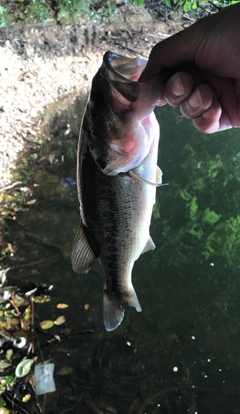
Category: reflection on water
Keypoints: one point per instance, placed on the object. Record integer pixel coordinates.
(181, 354)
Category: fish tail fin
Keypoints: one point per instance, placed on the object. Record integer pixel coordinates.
(114, 308)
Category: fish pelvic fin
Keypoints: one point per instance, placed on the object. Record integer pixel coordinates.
(114, 308)
(82, 256)
(158, 182)
(150, 245)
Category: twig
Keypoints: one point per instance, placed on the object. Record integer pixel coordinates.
(11, 187)
(32, 323)
(67, 410)
(28, 140)
(37, 262)
(93, 407)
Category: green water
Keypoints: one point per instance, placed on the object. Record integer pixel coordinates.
(182, 353)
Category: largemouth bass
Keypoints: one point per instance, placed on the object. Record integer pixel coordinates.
(117, 174)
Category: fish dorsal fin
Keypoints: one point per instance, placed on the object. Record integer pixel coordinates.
(158, 176)
(150, 245)
(82, 254)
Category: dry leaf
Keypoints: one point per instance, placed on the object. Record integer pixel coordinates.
(29, 203)
(46, 324)
(62, 306)
(15, 322)
(64, 371)
(60, 320)
(4, 410)
(41, 299)
(57, 337)
(26, 398)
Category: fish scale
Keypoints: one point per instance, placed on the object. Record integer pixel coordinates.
(117, 165)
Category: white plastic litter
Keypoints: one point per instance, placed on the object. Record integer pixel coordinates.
(44, 382)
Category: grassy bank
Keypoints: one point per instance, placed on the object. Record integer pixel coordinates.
(65, 11)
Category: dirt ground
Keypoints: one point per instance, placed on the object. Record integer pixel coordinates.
(40, 65)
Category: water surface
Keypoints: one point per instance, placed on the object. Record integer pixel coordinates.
(182, 353)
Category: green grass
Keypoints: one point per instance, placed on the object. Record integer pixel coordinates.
(94, 11)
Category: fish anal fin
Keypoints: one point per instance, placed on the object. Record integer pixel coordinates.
(114, 308)
(150, 245)
(82, 256)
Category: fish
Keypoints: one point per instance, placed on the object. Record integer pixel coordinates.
(117, 176)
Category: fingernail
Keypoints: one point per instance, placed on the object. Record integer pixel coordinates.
(195, 99)
(177, 86)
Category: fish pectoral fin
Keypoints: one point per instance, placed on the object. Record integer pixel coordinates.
(114, 308)
(82, 256)
(150, 245)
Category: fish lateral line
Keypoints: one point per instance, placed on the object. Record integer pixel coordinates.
(113, 168)
(138, 177)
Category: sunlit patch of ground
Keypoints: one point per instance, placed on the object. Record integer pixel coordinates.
(40, 65)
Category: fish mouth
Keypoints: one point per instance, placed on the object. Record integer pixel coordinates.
(124, 67)
(123, 73)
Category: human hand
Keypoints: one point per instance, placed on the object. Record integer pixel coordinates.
(206, 58)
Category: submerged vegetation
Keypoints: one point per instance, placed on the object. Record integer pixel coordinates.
(206, 194)
(95, 11)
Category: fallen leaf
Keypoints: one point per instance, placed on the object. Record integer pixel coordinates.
(62, 306)
(15, 321)
(60, 320)
(29, 203)
(26, 398)
(64, 371)
(25, 324)
(9, 354)
(46, 324)
(57, 337)
(41, 299)
(4, 410)
(4, 364)
(23, 368)
(27, 314)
